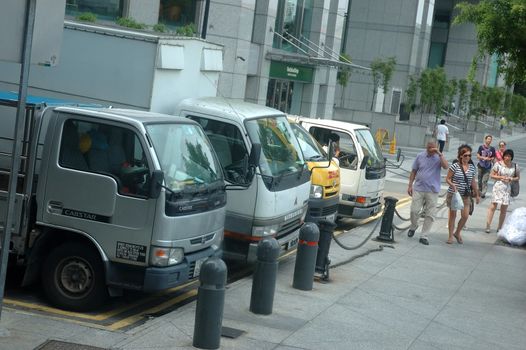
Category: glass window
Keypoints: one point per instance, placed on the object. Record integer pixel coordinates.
(279, 146)
(186, 157)
(370, 148)
(293, 21)
(312, 151)
(345, 149)
(229, 146)
(108, 150)
(177, 13)
(104, 9)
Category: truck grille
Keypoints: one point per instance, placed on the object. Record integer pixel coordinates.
(331, 191)
(202, 239)
(288, 227)
(317, 212)
(191, 268)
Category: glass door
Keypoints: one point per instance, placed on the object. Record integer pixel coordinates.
(279, 94)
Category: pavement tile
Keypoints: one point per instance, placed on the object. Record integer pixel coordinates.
(165, 335)
(21, 340)
(44, 326)
(98, 338)
(340, 328)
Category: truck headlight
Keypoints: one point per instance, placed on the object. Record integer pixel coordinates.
(264, 231)
(166, 256)
(316, 191)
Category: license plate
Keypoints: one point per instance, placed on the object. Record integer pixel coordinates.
(331, 217)
(292, 243)
(197, 268)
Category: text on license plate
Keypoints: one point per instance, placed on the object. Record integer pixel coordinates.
(291, 244)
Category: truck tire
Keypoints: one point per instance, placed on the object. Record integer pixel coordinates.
(73, 277)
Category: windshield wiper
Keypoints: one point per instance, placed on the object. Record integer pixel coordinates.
(318, 157)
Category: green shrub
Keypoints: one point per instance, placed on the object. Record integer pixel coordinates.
(187, 30)
(87, 17)
(160, 27)
(130, 23)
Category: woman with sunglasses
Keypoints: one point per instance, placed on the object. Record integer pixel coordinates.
(503, 173)
(462, 178)
(500, 152)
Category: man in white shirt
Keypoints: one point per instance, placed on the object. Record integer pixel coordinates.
(442, 134)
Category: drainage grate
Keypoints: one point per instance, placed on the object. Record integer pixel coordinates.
(231, 333)
(62, 345)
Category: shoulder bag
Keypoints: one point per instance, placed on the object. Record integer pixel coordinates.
(514, 185)
(468, 191)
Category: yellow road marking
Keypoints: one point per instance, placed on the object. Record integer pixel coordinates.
(135, 318)
(99, 317)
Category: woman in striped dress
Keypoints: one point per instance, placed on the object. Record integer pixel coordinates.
(461, 178)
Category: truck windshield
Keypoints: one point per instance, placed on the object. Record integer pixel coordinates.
(370, 148)
(312, 151)
(185, 155)
(279, 147)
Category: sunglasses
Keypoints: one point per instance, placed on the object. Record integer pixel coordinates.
(466, 155)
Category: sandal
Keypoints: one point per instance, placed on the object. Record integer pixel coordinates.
(449, 241)
(459, 240)
(488, 230)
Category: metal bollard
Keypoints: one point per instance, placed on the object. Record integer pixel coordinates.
(306, 257)
(210, 303)
(264, 279)
(386, 230)
(322, 259)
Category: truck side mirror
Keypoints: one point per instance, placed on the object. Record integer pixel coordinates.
(156, 182)
(332, 149)
(363, 164)
(253, 162)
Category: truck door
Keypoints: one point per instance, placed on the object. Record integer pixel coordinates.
(347, 155)
(96, 183)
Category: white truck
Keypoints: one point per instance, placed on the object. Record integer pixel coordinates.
(274, 202)
(110, 199)
(362, 165)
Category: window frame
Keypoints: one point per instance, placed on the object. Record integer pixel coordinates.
(353, 165)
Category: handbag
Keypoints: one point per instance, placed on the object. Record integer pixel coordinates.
(468, 192)
(514, 185)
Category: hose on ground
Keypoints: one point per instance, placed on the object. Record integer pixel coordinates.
(343, 246)
(351, 259)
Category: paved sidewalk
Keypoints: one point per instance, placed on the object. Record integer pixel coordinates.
(470, 296)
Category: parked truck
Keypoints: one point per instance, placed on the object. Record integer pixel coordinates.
(362, 165)
(110, 199)
(325, 176)
(274, 202)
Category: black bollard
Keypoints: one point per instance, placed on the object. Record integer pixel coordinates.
(264, 279)
(306, 257)
(322, 259)
(386, 230)
(210, 302)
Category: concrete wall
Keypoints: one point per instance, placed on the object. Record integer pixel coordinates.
(123, 68)
(410, 135)
(373, 120)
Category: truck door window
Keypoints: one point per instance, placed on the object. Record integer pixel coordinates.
(345, 147)
(108, 150)
(228, 144)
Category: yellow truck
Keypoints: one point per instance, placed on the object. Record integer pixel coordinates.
(325, 180)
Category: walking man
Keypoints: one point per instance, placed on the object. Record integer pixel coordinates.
(424, 186)
(442, 133)
(485, 155)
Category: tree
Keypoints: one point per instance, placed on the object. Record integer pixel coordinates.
(500, 26)
(344, 75)
(474, 101)
(462, 95)
(411, 92)
(451, 92)
(382, 72)
(494, 100)
(517, 112)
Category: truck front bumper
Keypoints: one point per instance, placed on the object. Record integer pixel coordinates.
(355, 212)
(322, 209)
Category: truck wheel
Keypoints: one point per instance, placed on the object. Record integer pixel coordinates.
(73, 277)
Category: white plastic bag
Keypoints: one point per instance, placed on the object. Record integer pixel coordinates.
(514, 229)
(456, 202)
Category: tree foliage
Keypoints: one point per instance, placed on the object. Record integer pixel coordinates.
(501, 28)
(344, 74)
(517, 111)
(411, 92)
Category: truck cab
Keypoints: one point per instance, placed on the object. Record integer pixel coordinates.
(362, 165)
(114, 199)
(325, 176)
(274, 202)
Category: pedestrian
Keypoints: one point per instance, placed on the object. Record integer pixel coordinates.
(485, 155)
(442, 134)
(424, 185)
(503, 173)
(500, 151)
(462, 178)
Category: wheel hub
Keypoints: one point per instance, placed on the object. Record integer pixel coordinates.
(76, 276)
